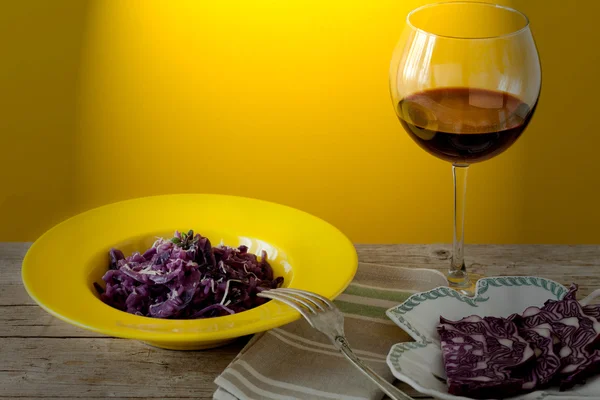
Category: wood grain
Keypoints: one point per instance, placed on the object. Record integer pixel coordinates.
(106, 367)
(32, 321)
(42, 357)
(564, 264)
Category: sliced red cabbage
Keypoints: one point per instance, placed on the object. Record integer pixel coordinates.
(482, 356)
(577, 336)
(547, 362)
(592, 310)
(185, 277)
(564, 335)
(578, 333)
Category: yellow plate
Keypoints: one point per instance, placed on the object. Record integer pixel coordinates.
(61, 266)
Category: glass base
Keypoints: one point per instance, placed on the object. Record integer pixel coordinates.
(466, 285)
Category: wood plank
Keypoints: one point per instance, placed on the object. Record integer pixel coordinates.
(564, 264)
(104, 367)
(11, 258)
(14, 295)
(32, 321)
(11, 288)
(16, 250)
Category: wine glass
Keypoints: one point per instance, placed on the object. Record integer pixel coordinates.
(465, 79)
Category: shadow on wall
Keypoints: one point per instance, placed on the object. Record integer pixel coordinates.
(41, 45)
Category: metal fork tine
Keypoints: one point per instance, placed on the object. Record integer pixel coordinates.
(310, 295)
(310, 305)
(295, 306)
(303, 295)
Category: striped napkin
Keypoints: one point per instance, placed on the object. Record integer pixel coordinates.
(298, 362)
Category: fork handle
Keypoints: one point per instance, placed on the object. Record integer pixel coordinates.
(389, 389)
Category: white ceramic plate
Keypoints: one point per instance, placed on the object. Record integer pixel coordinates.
(420, 363)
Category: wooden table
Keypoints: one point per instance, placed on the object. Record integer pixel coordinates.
(42, 357)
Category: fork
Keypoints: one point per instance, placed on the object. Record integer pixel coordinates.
(325, 317)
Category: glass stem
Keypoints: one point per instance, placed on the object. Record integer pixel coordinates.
(457, 275)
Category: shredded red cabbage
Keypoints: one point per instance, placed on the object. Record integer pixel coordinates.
(556, 344)
(186, 278)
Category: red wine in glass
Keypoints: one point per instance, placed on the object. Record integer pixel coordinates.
(464, 125)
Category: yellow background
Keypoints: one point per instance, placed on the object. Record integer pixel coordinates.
(284, 100)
